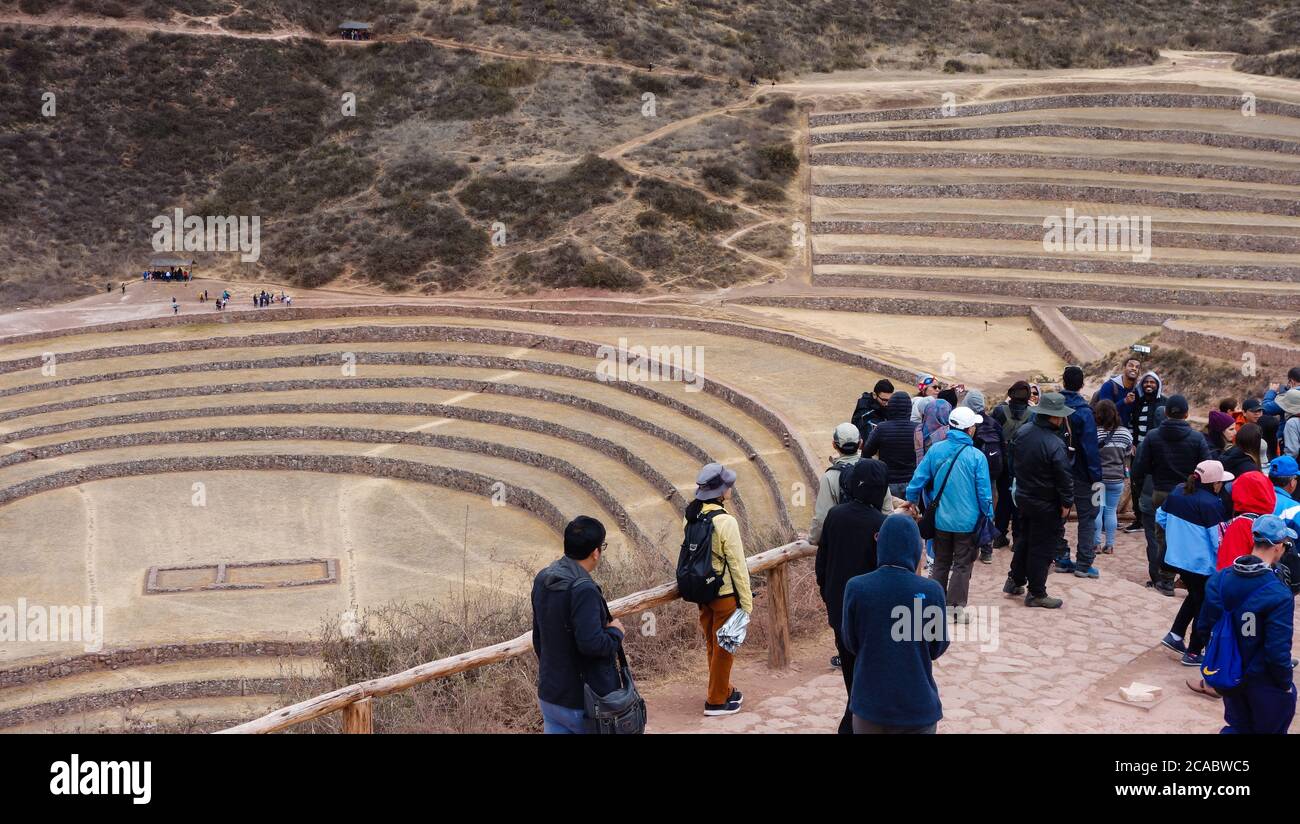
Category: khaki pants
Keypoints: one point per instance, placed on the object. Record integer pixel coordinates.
(712, 616)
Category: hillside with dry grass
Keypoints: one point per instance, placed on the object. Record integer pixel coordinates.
(478, 167)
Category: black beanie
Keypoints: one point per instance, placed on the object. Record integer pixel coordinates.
(1072, 380)
(882, 386)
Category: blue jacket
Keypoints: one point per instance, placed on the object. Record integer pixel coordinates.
(1083, 432)
(1269, 403)
(1193, 527)
(1287, 508)
(967, 494)
(895, 622)
(1114, 391)
(1251, 588)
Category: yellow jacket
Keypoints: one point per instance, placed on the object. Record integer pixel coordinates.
(727, 544)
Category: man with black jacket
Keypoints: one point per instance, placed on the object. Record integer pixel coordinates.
(847, 548)
(1044, 480)
(871, 407)
(575, 637)
(1168, 455)
(898, 443)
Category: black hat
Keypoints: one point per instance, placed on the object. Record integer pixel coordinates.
(1176, 406)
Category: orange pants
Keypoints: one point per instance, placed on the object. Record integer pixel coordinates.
(712, 616)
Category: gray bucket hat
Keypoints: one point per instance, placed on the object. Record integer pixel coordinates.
(713, 480)
(1052, 404)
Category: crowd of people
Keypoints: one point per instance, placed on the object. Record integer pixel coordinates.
(921, 486)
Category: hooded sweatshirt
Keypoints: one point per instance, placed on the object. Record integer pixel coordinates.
(1148, 410)
(848, 538)
(893, 683)
(1115, 391)
(1193, 527)
(1252, 495)
(1249, 587)
(897, 441)
(934, 422)
(573, 643)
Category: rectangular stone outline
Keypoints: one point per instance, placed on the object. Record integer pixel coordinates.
(222, 583)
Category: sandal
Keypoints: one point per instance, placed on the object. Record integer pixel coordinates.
(1199, 686)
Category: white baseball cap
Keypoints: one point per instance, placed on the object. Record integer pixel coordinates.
(847, 433)
(964, 418)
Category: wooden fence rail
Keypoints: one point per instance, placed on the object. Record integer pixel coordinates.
(355, 701)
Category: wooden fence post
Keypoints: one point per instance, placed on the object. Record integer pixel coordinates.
(359, 717)
(778, 642)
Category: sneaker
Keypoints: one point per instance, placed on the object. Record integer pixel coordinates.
(737, 697)
(1046, 602)
(1166, 591)
(1086, 572)
(1001, 542)
(960, 615)
(1193, 660)
(1011, 590)
(1173, 642)
(729, 708)
(986, 557)
(1133, 527)
(835, 661)
(1063, 565)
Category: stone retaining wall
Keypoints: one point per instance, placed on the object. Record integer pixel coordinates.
(421, 358)
(394, 468)
(146, 656)
(1107, 100)
(1274, 356)
(455, 443)
(216, 688)
(1200, 201)
(1053, 291)
(942, 305)
(1218, 240)
(1080, 263)
(1184, 136)
(1012, 160)
(771, 419)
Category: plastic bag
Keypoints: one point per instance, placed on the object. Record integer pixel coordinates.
(732, 634)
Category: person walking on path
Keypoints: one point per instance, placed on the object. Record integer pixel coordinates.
(1044, 490)
(848, 549)
(1115, 446)
(1192, 518)
(1167, 455)
(893, 682)
(897, 442)
(1122, 389)
(575, 637)
(954, 478)
(846, 443)
(712, 489)
(1011, 414)
(1081, 427)
(1263, 618)
(1253, 496)
(988, 437)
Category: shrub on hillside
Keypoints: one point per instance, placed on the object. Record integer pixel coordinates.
(684, 204)
(720, 177)
(420, 174)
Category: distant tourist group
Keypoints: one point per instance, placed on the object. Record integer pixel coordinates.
(922, 486)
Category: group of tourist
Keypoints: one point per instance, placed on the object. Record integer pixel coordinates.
(168, 275)
(922, 485)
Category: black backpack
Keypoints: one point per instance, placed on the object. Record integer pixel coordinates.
(697, 582)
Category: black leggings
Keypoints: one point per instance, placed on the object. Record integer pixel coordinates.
(1191, 608)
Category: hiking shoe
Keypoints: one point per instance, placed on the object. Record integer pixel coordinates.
(1166, 591)
(835, 661)
(1133, 527)
(1001, 542)
(1045, 602)
(1193, 659)
(1086, 572)
(960, 615)
(729, 708)
(1011, 590)
(1173, 642)
(1063, 565)
(737, 697)
(986, 557)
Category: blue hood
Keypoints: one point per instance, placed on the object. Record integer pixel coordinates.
(899, 543)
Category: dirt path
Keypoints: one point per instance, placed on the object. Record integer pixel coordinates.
(211, 28)
(1030, 671)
